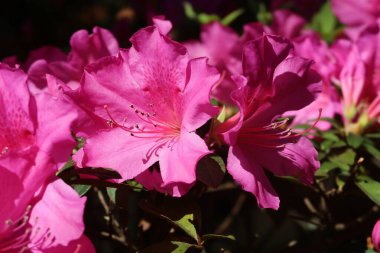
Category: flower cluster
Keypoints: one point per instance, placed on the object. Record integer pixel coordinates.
(151, 112)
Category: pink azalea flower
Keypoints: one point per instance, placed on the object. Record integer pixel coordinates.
(310, 46)
(35, 141)
(376, 235)
(222, 55)
(356, 15)
(359, 81)
(153, 98)
(284, 23)
(273, 83)
(85, 48)
(226, 56)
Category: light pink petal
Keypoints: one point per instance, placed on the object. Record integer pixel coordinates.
(178, 162)
(60, 212)
(164, 26)
(196, 95)
(54, 126)
(352, 79)
(86, 48)
(157, 61)
(247, 172)
(82, 245)
(366, 12)
(117, 149)
(287, 24)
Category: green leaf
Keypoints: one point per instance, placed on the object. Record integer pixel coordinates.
(264, 16)
(370, 147)
(211, 170)
(338, 144)
(204, 18)
(169, 247)
(330, 136)
(183, 213)
(370, 187)
(67, 166)
(81, 189)
(354, 140)
(213, 236)
(344, 160)
(325, 22)
(326, 145)
(232, 16)
(222, 115)
(373, 135)
(325, 168)
(134, 185)
(111, 191)
(189, 10)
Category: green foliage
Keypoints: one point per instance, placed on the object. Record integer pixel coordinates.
(370, 187)
(169, 247)
(325, 22)
(211, 170)
(205, 18)
(81, 189)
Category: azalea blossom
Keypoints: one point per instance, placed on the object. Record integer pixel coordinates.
(359, 81)
(85, 49)
(376, 236)
(311, 46)
(226, 56)
(148, 102)
(273, 83)
(35, 141)
(366, 12)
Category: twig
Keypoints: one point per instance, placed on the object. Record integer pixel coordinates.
(120, 237)
(231, 216)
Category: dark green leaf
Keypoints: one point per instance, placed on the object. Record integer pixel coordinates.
(211, 170)
(213, 236)
(81, 189)
(67, 166)
(112, 194)
(169, 247)
(373, 135)
(184, 213)
(325, 168)
(370, 187)
(330, 136)
(344, 160)
(354, 140)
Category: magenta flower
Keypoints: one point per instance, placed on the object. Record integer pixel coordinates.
(310, 46)
(376, 236)
(360, 81)
(366, 13)
(35, 141)
(273, 83)
(148, 102)
(225, 56)
(85, 48)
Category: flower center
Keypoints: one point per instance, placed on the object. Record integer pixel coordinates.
(275, 135)
(21, 236)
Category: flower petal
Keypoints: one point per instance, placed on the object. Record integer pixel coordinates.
(247, 172)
